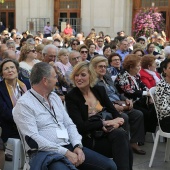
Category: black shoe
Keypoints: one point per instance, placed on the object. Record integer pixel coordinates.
(139, 152)
(140, 143)
(8, 157)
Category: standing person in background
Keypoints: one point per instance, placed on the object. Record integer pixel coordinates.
(100, 45)
(2, 27)
(68, 30)
(47, 30)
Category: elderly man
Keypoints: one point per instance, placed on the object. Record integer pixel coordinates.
(51, 137)
(50, 53)
(123, 49)
(74, 58)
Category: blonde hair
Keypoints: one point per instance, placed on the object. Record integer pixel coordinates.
(62, 52)
(97, 59)
(24, 50)
(78, 68)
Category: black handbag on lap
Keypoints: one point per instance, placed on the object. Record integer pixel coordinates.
(102, 115)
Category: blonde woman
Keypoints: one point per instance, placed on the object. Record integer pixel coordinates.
(27, 57)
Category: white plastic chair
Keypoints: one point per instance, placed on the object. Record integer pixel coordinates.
(159, 133)
(26, 157)
(15, 149)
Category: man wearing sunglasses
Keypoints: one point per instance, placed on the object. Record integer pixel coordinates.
(83, 52)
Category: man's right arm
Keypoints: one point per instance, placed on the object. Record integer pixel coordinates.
(25, 120)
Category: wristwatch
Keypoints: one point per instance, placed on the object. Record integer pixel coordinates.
(78, 146)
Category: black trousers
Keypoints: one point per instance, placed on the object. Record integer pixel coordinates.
(116, 145)
(149, 113)
(165, 124)
(134, 119)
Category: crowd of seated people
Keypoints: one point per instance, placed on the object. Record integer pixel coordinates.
(128, 70)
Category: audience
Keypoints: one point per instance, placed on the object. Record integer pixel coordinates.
(84, 101)
(129, 83)
(162, 98)
(11, 89)
(148, 73)
(52, 139)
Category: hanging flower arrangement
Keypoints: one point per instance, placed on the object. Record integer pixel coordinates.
(148, 21)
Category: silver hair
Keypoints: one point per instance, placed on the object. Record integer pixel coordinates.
(39, 71)
(45, 49)
(167, 51)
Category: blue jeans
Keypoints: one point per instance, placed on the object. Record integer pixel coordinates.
(93, 161)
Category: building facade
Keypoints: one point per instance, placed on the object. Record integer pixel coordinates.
(109, 16)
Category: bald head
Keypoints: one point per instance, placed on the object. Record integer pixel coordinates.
(74, 58)
(9, 54)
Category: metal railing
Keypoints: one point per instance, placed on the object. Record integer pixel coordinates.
(36, 24)
(74, 22)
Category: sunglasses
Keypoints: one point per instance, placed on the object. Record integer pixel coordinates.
(83, 52)
(18, 38)
(32, 51)
(58, 46)
(74, 44)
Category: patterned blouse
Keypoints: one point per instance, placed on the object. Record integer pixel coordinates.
(131, 86)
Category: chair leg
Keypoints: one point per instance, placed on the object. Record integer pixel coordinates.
(167, 151)
(153, 136)
(154, 148)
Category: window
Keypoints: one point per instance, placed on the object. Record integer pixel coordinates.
(7, 5)
(72, 4)
(157, 3)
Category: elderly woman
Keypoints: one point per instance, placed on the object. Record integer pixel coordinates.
(63, 61)
(162, 98)
(148, 73)
(10, 90)
(114, 68)
(129, 83)
(39, 49)
(133, 116)
(139, 52)
(85, 101)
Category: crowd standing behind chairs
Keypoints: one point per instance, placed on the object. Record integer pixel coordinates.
(132, 75)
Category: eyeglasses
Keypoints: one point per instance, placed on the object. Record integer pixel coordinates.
(116, 60)
(18, 38)
(76, 58)
(74, 44)
(102, 66)
(52, 56)
(32, 51)
(83, 52)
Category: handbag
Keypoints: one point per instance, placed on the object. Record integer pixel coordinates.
(122, 103)
(102, 115)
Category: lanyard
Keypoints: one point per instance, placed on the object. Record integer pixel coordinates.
(53, 115)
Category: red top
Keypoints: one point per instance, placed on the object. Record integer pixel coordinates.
(148, 79)
(68, 31)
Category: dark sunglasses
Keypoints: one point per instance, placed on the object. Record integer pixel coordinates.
(59, 46)
(83, 52)
(18, 38)
(74, 44)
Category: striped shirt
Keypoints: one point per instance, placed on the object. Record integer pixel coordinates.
(35, 121)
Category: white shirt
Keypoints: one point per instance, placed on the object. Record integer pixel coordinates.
(35, 121)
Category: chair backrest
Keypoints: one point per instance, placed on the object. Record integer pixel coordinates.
(152, 94)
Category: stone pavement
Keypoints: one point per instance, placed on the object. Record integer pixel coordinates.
(141, 162)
